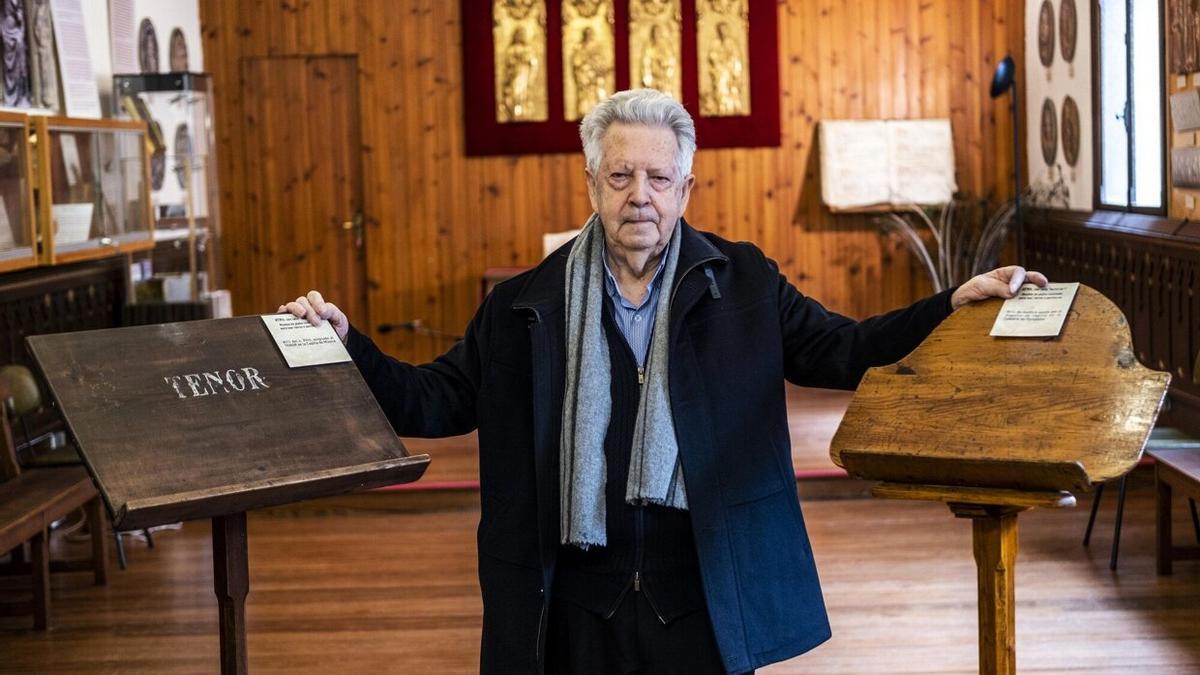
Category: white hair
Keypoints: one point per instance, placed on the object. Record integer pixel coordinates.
(639, 106)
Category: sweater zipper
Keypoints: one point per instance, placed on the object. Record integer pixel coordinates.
(639, 548)
(639, 529)
(640, 560)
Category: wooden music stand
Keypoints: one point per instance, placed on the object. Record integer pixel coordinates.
(204, 419)
(994, 426)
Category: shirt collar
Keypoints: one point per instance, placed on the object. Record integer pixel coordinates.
(610, 282)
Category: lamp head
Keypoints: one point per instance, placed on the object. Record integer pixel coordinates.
(1004, 77)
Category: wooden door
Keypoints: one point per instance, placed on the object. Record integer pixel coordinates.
(304, 205)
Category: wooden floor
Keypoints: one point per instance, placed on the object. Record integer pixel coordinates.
(813, 415)
(377, 591)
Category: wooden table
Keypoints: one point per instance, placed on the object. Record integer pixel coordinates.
(994, 426)
(1174, 471)
(204, 419)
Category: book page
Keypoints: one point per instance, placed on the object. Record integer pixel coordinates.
(854, 168)
(921, 155)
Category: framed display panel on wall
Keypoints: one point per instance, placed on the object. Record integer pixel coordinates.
(18, 235)
(96, 175)
(527, 65)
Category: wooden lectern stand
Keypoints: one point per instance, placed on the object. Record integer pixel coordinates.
(994, 426)
(204, 419)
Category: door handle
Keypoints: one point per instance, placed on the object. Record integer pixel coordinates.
(355, 225)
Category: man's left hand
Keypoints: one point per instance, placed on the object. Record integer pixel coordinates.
(1003, 282)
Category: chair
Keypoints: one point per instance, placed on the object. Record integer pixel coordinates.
(1161, 438)
(26, 397)
(30, 501)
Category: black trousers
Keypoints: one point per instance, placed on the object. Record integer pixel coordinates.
(634, 640)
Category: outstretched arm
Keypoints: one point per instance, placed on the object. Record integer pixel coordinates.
(825, 349)
(429, 400)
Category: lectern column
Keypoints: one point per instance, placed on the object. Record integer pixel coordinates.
(994, 533)
(231, 581)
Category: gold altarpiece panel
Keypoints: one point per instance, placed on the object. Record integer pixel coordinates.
(589, 55)
(655, 37)
(722, 42)
(519, 44)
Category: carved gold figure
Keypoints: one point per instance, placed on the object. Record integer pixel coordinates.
(519, 40)
(654, 39)
(723, 30)
(589, 57)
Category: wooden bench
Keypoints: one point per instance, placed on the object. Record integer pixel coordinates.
(1174, 470)
(29, 502)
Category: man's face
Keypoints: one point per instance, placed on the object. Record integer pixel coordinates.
(637, 190)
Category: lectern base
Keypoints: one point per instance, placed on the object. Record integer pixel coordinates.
(231, 581)
(994, 531)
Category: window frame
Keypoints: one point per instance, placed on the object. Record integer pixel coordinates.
(1097, 135)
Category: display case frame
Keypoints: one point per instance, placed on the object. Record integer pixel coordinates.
(103, 245)
(188, 225)
(18, 258)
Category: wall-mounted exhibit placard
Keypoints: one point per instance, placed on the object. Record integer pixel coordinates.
(205, 418)
(1185, 110)
(1185, 167)
(80, 93)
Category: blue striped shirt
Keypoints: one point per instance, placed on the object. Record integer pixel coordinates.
(636, 322)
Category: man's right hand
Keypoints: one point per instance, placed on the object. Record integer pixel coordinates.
(314, 308)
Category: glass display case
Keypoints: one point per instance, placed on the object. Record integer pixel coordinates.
(18, 239)
(96, 176)
(184, 265)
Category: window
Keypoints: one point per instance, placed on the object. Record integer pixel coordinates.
(1130, 105)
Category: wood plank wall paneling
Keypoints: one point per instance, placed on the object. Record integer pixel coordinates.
(436, 220)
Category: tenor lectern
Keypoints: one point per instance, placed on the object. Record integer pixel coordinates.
(993, 426)
(205, 419)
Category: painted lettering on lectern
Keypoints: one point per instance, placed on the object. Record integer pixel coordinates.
(215, 382)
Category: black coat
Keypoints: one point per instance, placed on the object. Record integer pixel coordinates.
(738, 330)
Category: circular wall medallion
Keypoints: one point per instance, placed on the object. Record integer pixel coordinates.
(147, 47)
(1049, 132)
(1046, 33)
(1070, 131)
(183, 152)
(177, 52)
(1068, 24)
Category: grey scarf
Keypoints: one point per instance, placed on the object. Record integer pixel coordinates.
(655, 476)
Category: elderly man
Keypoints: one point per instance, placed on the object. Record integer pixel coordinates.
(638, 507)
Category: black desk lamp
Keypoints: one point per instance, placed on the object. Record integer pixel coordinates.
(1003, 79)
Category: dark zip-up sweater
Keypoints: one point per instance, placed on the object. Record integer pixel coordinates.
(650, 548)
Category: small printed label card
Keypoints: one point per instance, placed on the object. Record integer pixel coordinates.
(303, 344)
(1035, 312)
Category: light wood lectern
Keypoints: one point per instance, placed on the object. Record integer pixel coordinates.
(204, 419)
(994, 426)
